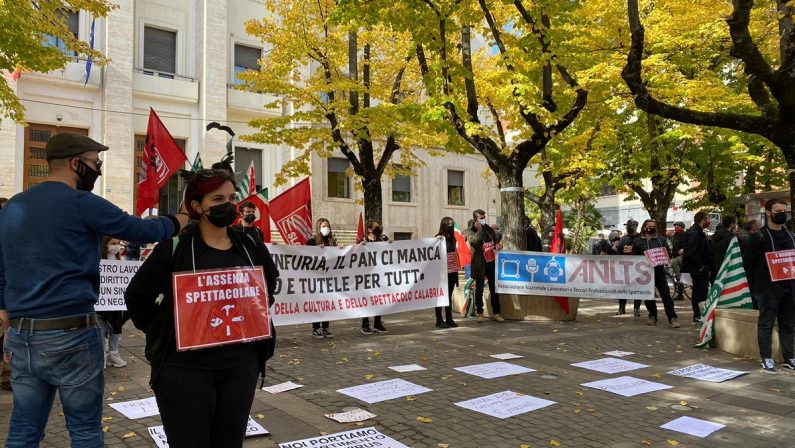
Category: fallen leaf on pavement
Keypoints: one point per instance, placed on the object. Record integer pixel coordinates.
(673, 442)
(651, 408)
(105, 429)
(344, 359)
(377, 353)
(410, 398)
(424, 420)
(121, 389)
(369, 376)
(524, 445)
(683, 403)
(128, 435)
(646, 442)
(260, 416)
(554, 442)
(104, 419)
(578, 393)
(657, 375)
(113, 393)
(424, 359)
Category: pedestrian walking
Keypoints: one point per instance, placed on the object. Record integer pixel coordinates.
(112, 321)
(375, 234)
(650, 241)
(204, 395)
(447, 233)
(625, 248)
(323, 237)
(50, 241)
(485, 244)
(696, 260)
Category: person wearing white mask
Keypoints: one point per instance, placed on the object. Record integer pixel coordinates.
(485, 243)
(322, 237)
(113, 321)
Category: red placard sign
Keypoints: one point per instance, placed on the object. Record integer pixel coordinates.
(781, 265)
(657, 256)
(453, 265)
(219, 307)
(489, 251)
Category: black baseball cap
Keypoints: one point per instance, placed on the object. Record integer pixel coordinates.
(67, 144)
(631, 222)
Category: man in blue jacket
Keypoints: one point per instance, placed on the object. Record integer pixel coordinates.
(49, 282)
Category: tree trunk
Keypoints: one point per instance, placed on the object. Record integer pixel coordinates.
(373, 201)
(548, 211)
(512, 204)
(660, 215)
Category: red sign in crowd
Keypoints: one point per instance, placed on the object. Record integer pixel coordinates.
(657, 256)
(219, 307)
(781, 265)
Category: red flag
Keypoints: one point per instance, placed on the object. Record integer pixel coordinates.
(464, 253)
(252, 181)
(263, 214)
(559, 247)
(162, 158)
(291, 211)
(16, 74)
(360, 228)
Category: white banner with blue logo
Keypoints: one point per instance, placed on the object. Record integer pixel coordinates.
(569, 275)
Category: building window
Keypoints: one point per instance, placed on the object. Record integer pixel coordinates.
(606, 190)
(401, 188)
(160, 52)
(246, 58)
(35, 169)
(339, 185)
(400, 236)
(171, 193)
(455, 187)
(243, 159)
(73, 23)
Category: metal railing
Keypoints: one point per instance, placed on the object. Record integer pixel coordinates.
(167, 75)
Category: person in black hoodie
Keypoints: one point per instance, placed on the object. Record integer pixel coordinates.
(323, 237)
(375, 234)
(447, 233)
(696, 260)
(204, 395)
(649, 241)
(532, 240)
(720, 243)
(775, 299)
(625, 248)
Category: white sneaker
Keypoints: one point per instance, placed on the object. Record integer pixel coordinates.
(115, 360)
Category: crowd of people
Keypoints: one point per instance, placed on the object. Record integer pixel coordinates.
(55, 342)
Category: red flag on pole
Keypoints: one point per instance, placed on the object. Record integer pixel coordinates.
(464, 254)
(291, 211)
(162, 158)
(360, 228)
(252, 182)
(262, 213)
(559, 247)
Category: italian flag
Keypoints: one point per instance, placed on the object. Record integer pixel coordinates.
(249, 185)
(464, 254)
(730, 290)
(263, 214)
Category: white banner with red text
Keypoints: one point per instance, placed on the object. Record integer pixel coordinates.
(569, 275)
(327, 283)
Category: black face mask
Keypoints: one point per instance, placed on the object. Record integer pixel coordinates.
(651, 231)
(377, 231)
(779, 218)
(222, 215)
(249, 218)
(450, 229)
(87, 176)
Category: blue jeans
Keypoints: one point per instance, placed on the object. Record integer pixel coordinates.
(43, 361)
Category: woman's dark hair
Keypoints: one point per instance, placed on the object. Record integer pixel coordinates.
(443, 228)
(203, 182)
(371, 222)
(319, 236)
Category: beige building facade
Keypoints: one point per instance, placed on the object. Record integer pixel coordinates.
(180, 58)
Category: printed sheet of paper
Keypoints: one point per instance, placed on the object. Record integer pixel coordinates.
(491, 370)
(356, 437)
(135, 409)
(283, 387)
(704, 372)
(627, 386)
(618, 353)
(408, 368)
(356, 415)
(693, 426)
(159, 435)
(504, 404)
(506, 356)
(610, 365)
(383, 390)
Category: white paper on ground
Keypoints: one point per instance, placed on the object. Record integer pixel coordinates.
(135, 409)
(408, 368)
(693, 426)
(504, 404)
(356, 415)
(618, 353)
(707, 373)
(610, 365)
(283, 387)
(491, 370)
(159, 435)
(355, 437)
(627, 386)
(506, 356)
(383, 390)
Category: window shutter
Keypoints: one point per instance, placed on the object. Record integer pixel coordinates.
(337, 165)
(247, 57)
(160, 50)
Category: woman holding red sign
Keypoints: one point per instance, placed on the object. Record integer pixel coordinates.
(447, 233)
(205, 394)
(650, 244)
(485, 243)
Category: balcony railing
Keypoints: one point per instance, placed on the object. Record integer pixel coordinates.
(167, 75)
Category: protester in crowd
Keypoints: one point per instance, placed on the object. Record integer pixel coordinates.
(485, 244)
(375, 233)
(749, 228)
(678, 243)
(49, 282)
(112, 321)
(696, 260)
(720, 243)
(447, 233)
(532, 240)
(247, 217)
(625, 248)
(650, 240)
(774, 298)
(323, 237)
(610, 245)
(204, 395)
(596, 247)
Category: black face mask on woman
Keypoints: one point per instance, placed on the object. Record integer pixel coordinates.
(222, 215)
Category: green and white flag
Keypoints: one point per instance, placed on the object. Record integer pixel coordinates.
(197, 163)
(248, 186)
(730, 290)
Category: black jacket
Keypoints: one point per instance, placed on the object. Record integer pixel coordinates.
(720, 244)
(532, 240)
(641, 245)
(154, 278)
(756, 269)
(678, 243)
(698, 256)
(626, 240)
